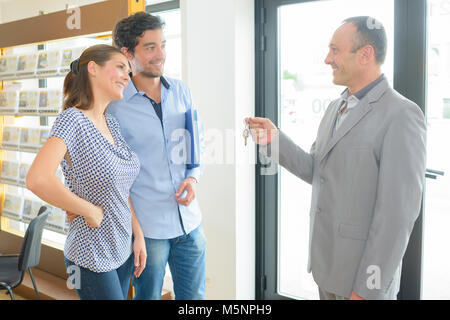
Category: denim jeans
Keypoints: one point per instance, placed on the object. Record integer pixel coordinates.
(112, 285)
(186, 257)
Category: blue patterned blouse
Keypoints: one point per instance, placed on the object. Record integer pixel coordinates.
(101, 173)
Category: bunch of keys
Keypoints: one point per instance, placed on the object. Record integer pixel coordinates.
(246, 132)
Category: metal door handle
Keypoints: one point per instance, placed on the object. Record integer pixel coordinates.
(432, 174)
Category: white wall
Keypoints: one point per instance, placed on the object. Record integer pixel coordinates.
(218, 44)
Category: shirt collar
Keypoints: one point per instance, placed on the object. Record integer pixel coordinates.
(362, 93)
(350, 101)
(165, 83)
(131, 90)
(358, 96)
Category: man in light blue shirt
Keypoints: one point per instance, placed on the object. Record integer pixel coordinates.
(152, 120)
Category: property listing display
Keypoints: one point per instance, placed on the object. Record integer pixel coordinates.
(27, 109)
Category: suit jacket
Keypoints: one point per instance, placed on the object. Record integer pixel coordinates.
(367, 182)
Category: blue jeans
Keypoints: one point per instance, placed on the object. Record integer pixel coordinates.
(112, 285)
(186, 257)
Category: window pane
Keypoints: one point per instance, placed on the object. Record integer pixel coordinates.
(436, 261)
(172, 32)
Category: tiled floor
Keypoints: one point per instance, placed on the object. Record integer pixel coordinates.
(5, 296)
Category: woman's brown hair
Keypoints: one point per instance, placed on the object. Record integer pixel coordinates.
(77, 86)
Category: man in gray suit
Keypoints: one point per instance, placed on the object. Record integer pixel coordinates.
(366, 167)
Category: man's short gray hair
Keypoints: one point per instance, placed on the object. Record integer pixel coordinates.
(369, 32)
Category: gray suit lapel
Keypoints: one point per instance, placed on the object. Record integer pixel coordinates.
(328, 126)
(360, 111)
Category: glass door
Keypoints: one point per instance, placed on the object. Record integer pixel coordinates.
(293, 89)
(436, 262)
(306, 89)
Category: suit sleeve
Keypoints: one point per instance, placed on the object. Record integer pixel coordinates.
(399, 195)
(290, 156)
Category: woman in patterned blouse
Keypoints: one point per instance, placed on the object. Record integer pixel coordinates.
(99, 169)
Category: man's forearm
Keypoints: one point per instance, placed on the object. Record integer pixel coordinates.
(290, 156)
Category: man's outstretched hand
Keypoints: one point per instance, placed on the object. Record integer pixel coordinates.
(262, 130)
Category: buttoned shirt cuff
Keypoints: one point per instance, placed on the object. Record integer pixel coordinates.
(194, 173)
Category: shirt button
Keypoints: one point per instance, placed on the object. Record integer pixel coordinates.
(322, 180)
(318, 210)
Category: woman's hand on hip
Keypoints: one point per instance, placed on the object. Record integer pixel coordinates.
(95, 217)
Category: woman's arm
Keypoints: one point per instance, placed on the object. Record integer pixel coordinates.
(139, 249)
(42, 181)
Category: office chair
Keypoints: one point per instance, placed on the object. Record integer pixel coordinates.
(13, 267)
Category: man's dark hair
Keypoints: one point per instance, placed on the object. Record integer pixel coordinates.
(128, 30)
(369, 32)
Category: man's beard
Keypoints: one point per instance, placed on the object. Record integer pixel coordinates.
(148, 74)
